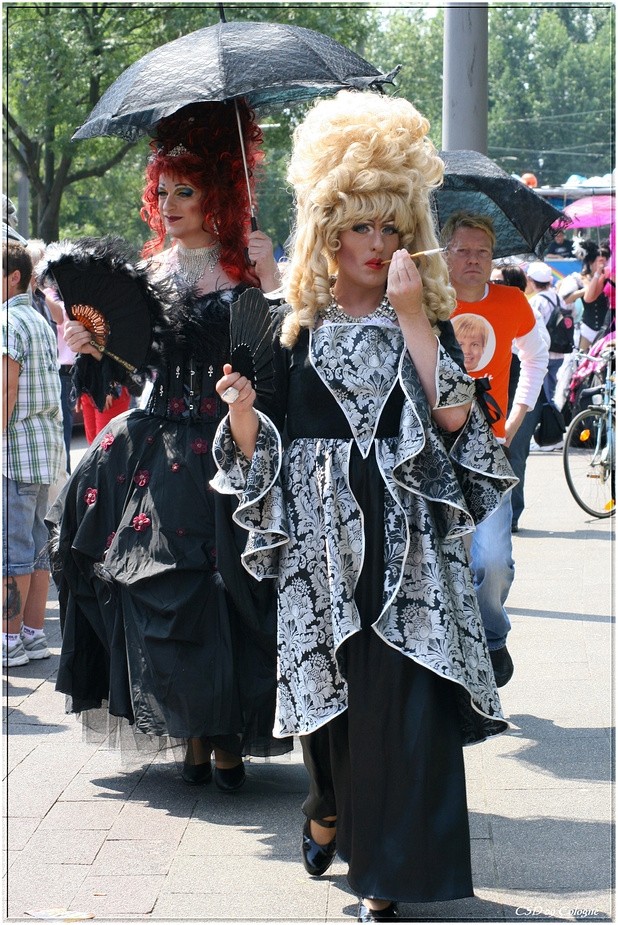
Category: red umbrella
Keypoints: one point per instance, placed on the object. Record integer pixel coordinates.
(591, 212)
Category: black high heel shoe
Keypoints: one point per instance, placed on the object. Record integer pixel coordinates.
(230, 779)
(365, 914)
(193, 773)
(318, 858)
(196, 773)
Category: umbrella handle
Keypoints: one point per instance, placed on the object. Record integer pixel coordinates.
(244, 163)
(254, 227)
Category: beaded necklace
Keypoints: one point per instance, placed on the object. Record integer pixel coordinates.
(193, 261)
(335, 314)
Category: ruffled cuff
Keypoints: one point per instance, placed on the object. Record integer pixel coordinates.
(255, 482)
(466, 474)
(453, 386)
(482, 469)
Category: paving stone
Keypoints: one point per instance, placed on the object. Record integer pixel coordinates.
(546, 854)
(17, 831)
(139, 857)
(116, 787)
(140, 821)
(41, 884)
(65, 846)
(118, 895)
(85, 815)
(279, 890)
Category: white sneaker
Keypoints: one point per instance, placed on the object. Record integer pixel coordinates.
(36, 647)
(552, 447)
(14, 656)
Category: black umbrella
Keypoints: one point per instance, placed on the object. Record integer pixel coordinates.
(269, 64)
(474, 183)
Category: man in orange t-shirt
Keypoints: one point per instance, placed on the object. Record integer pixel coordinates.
(488, 320)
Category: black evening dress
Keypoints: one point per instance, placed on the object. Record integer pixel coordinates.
(383, 664)
(161, 624)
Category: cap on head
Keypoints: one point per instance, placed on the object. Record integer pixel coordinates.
(540, 272)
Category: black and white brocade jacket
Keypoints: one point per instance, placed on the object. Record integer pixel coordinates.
(305, 527)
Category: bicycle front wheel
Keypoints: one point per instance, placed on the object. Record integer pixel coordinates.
(589, 464)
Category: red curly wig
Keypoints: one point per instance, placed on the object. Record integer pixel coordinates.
(213, 164)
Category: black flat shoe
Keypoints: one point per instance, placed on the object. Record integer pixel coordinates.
(502, 664)
(365, 914)
(229, 779)
(196, 773)
(317, 858)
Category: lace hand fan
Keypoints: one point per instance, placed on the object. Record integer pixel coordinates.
(103, 290)
(251, 341)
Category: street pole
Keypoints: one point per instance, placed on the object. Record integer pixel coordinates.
(465, 98)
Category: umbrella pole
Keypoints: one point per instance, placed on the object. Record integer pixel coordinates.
(254, 226)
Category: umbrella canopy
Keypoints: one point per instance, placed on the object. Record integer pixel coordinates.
(267, 63)
(474, 183)
(591, 212)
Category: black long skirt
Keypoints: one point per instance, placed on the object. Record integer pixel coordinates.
(162, 626)
(391, 767)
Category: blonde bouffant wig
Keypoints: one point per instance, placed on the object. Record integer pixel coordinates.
(355, 158)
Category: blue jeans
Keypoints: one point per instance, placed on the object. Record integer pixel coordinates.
(24, 534)
(518, 452)
(551, 378)
(493, 571)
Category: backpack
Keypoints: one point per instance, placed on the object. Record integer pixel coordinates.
(560, 328)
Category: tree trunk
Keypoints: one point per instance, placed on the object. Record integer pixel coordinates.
(48, 228)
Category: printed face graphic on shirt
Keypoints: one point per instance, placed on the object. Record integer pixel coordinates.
(477, 340)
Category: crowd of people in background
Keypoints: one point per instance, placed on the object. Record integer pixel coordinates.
(236, 569)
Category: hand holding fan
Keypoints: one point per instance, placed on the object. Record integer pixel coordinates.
(251, 341)
(94, 322)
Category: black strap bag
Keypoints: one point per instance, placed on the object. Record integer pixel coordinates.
(551, 427)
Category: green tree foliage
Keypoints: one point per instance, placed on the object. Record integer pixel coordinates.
(60, 59)
(551, 90)
(412, 39)
(551, 79)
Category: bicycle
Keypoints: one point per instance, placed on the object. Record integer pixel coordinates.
(589, 454)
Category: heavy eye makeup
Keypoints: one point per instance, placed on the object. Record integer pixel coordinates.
(364, 227)
(185, 191)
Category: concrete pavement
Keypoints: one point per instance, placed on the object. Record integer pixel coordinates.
(93, 833)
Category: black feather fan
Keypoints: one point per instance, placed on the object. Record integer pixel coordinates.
(251, 340)
(105, 289)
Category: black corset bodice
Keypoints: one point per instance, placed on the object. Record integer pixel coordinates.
(184, 389)
(189, 360)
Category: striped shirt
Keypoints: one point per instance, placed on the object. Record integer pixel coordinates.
(33, 446)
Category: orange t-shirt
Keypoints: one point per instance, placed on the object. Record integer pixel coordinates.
(486, 330)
